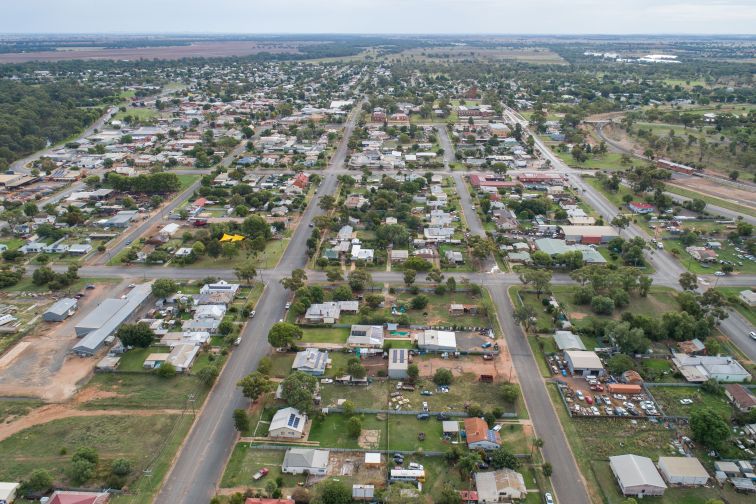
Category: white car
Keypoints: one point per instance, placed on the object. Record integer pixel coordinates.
(719, 273)
(752, 334)
(326, 380)
(287, 306)
(595, 411)
(580, 395)
(549, 499)
(252, 314)
(686, 402)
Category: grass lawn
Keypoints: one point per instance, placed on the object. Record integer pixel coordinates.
(133, 360)
(331, 431)
(437, 310)
(145, 391)
(325, 335)
(614, 197)
(403, 434)
(281, 364)
(144, 488)
(186, 180)
(50, 446)
(245, 462)
(608, 161)
(669, 400)
(140, 113)
(15, 408)
(12, 243)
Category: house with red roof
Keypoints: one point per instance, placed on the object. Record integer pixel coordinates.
(478, 435)
(69, 497)
(640, 207)
(301, 180)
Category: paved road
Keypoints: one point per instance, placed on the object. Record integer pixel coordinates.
(568, 486)
(736, 327)
(200, 464)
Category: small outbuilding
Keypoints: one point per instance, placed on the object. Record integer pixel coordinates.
(60, 310)
(8, 491)
(636, 475)
(584, 363)
(686, 471)
(398, 363)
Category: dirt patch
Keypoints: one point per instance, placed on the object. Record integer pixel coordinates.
(578, 315)
(43, 367)
(712, 188)
(93, 393)
(369, 439)
(352, 464)
(500, 367)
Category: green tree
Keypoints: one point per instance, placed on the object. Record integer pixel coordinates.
(354, 427)
(265, 366)
(540, 280)
(359, 280)
(81, 471)
(355, 369)
(688, 281)
(39, 481)
(164, 287)
(283, 334)
(166, 370)
(207, 375)
(619, 363)
(442, 376)
(413, 372)
(331, 492)
(502, 457)
(296, 281)
(709, 428)
(254, 385)
(409, 277)
(241, 420)
(298, 390)
(120, 467)
(509, 392)
(136, 335)
(419, 302)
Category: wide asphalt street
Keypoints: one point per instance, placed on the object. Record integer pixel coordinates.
(200, 463)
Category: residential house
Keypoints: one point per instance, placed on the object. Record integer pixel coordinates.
(75, 497)
(433, 340)
(748, 297)
(699, 368)
(504, 485)
(365, 336)
(640, 208)
(305, 460)
(589, 234)
(311, 361)
(740, 397)
(478, 435)
(329, 312)
(399, 256)
(288, 423)
(182, 356)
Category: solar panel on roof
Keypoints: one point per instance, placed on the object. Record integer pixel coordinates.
(296, 422)
(292, 417)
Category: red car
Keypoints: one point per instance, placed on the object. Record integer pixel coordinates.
(588, 399)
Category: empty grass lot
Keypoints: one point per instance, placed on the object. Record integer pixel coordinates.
(331, 431)
(246, 461)
(145, 391)
(669, 400)
(50, 446)
(13, 408)
(336, 335)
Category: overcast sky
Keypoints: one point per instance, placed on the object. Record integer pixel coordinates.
(380, 16)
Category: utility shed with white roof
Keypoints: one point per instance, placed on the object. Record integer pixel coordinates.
(686, 471)
(637, 475)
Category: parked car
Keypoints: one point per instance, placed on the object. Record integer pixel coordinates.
(423, 416)
(287, 306)
(252, 314)
(548, 498)
(580, 395)
(752, 334)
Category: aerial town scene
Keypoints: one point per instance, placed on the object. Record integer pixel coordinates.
(271, 254)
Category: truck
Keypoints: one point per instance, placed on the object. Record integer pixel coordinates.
(260, 474)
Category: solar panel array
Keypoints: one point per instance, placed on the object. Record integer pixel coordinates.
(397, 356)
(293, 421)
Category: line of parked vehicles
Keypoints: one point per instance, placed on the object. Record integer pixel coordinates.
(611, 405)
